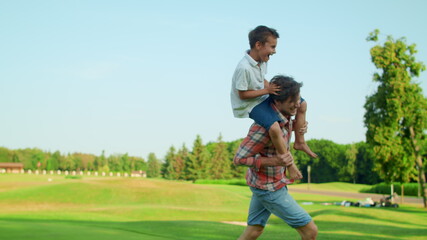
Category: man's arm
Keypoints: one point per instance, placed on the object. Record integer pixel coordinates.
(251, 148)
(302, 130)
(257, 162)
(284, 160)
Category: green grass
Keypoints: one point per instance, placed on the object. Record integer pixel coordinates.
(31, 207)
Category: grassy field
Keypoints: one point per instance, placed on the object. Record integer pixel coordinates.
(34, 207)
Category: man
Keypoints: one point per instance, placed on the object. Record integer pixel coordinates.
(266, 174)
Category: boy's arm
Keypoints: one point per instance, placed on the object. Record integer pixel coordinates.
(252, 93)
(268, 89)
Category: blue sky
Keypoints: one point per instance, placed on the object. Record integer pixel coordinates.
(140, 76)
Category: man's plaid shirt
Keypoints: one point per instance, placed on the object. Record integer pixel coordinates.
(258, 144)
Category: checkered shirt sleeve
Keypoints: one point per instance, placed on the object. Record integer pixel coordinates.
(249, 151)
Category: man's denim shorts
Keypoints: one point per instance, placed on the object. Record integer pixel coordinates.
(264, 114)
(280, 203)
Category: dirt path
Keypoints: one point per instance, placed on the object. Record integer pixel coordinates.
(349, 195)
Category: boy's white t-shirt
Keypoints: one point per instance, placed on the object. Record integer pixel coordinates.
(249, 75)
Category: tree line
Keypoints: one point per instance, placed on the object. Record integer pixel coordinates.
(34, 158)
(336, 162)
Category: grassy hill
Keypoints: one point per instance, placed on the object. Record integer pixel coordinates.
(53, 207)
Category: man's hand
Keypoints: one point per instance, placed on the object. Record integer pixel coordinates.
(304, 128)
(284, 159)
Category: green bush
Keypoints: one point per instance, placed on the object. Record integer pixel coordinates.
(239, 182)
(410, 189)
(73, 177)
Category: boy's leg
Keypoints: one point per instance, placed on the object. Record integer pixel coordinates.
(300, 143)
(276, 136)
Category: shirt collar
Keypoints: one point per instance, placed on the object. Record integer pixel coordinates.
(283, 119)
(250, 59)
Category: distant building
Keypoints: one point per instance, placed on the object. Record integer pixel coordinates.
(138, 174)
(11, 167)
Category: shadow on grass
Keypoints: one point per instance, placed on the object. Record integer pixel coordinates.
(87, 230)
(338, 212)
(380, 230)
(18, 229)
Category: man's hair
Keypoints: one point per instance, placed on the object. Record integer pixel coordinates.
(288, 88)
(260, 34)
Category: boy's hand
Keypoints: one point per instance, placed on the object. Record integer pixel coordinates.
(272, 88)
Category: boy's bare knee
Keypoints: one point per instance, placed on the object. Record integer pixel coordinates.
(303, 107)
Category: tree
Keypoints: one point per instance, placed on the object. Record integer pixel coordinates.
(180, 159)
(4, 154)
(137, 164)
(53, 161)
(125, 162)
(350, 166)
(66, 163)
(396, 114)
(153, 168)
(101, 162)
(38, 156)
(197, 164)
(114, 163)
(365, 172)
(236, 171)
(168, 169)
(221, 167)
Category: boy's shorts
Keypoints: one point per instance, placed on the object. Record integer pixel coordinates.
(264, 114)
(280, 203)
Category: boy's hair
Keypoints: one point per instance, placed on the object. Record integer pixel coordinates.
(260, 34)
(288, 88)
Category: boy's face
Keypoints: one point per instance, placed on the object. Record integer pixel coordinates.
(290, 106)
(266, 50)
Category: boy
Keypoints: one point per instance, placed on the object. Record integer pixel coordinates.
(249, 89)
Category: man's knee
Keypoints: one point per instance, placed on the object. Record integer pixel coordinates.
(313, 232)
(309, 231)
(253, 232)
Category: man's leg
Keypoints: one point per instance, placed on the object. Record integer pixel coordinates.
(308, 232)
(283, 205)
(251, 232)
(300, 143)
(257, 217)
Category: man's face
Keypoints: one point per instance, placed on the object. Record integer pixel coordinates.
(290, 106)
(267, 49)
